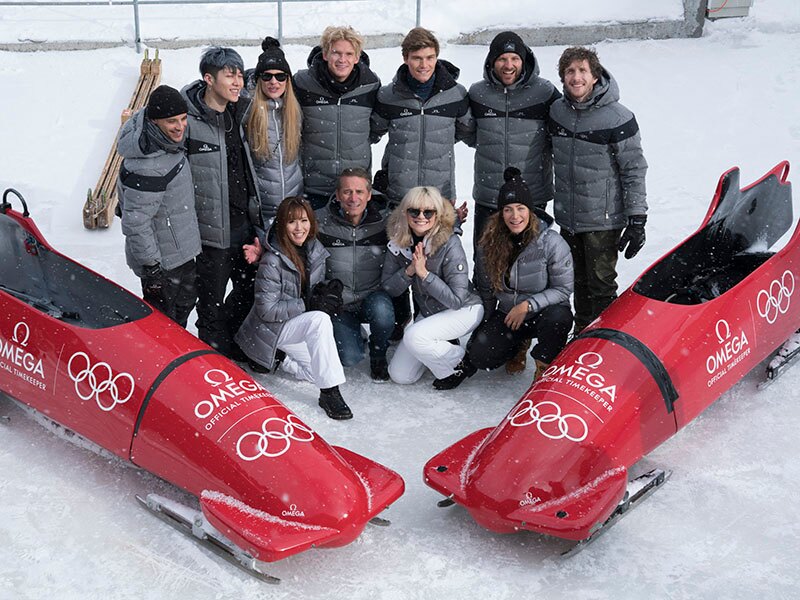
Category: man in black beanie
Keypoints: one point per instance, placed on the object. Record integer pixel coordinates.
(156, 198)
(509, 107)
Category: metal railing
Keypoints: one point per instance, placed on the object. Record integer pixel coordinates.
(137, 3)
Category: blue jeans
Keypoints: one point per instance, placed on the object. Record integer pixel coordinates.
(378, 312)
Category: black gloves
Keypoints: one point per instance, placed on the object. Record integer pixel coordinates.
(153, 280)
(327, 297)
(633, 237)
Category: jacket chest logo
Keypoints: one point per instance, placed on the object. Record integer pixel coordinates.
(406, 113)
(322, 100)
(205, 148)
(490, 113)
(338, 244)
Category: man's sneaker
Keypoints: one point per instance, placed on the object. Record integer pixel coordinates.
(463, 370)
(379, 370)
(517, 364)
(331, 401)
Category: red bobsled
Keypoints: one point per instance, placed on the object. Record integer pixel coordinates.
(688, 329)
(97, 360)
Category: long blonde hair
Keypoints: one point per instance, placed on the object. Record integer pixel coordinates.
(258, 126)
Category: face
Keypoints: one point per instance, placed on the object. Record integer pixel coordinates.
(578, 80)
(273, 89)
(421, 64)
(226, 85)
(418, 222)
(353, 195)
(341, 59)
(173, 127)
(508, 68)
(298, 228)
(516, 217)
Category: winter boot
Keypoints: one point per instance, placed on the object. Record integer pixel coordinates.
(540, 368)
(379, 370)
(257, 367)
(517, 364)
(463, 370)
(331, 401)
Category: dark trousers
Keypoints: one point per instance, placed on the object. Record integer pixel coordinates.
(218, 317)
(493, 343)
(594, 256)
(317, 201)
(375, 310)
(482, 214)
(177, 295)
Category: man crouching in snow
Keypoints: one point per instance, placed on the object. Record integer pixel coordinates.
(156, 196)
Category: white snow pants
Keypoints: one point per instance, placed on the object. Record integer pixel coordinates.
(425, 344)
(310, 349)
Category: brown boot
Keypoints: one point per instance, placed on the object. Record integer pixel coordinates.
(540, 368)
(517, 364)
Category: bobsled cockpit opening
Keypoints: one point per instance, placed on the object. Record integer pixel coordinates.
(59, 287)
(735, 242)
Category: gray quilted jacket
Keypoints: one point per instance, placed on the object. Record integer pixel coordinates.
(510, 130)
(205, 145)
(447, 285)
(278, 298)
(356, 251)
(335, 127)
(156, 196)
(599, 165)
(542, 273)
(421, 134)
(275, 178)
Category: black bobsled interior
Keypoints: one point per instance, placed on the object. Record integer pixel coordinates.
(734, 243)
(58, 286)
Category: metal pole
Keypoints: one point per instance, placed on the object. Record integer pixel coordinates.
(280, 21)
(137, 34)
(419, 12)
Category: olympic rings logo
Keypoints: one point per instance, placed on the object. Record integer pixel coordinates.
(99, 382)
(775, 302)
(287, 430)
(571, 427)
(25, 331)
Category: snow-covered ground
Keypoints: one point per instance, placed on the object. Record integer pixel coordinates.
(727, 525)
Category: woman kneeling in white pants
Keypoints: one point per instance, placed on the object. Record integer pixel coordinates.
(424, 253)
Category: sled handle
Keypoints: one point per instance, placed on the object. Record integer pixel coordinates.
(6, 205)
(784, 171)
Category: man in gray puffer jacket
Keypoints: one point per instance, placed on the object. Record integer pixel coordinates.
(156, 199)
(599, 179)
(426, 111)
(337, 94)
(509, 107)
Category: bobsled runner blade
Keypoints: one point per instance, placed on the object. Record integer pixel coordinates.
(638, 489)
(380, 522)
(778, 366)
(193, 524)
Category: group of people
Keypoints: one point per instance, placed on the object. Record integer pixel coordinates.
(279, 203)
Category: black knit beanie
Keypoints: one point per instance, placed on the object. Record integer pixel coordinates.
(165, 102)
(514, 190)
(272, 58)
(507, 41)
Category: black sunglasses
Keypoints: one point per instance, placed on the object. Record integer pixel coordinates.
(428, 213)
(279, 76)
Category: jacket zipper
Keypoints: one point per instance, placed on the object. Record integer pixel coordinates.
(505, 138)
(280, 155)
(421, 143)
(172, 231)
(572, 171)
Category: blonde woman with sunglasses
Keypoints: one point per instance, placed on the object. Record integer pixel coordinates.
(425, 254)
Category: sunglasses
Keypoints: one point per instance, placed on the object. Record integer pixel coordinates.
(428, 213)
(279, 76)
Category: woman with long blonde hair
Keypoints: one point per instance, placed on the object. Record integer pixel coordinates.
(273, 129)
(425, 254)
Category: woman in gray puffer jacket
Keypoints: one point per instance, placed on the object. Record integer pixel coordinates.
(524, 276)
(424, 253)
(291, 316)
(273, 129)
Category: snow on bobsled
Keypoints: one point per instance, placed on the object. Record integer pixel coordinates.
(687, 330)
(100, 362)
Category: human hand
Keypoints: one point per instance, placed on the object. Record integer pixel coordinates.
(633, 237)
(462, 212)
(516, 316)
(420, 261)
(253, 252)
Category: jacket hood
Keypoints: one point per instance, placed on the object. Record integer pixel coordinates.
(605, 92)
(372, 212)
(193, 93)
(529, 61)
(140, 138)
(446, 75)
(313, 248)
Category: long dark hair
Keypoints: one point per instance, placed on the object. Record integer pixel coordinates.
(292, 208)
(498, 245)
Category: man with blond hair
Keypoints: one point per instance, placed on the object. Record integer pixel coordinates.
(337, 93)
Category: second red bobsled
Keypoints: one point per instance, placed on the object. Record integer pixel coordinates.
(689, 328)
(97, 360)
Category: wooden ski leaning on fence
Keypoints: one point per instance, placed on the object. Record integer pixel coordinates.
(98, 212)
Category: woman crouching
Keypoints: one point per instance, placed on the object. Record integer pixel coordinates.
(424, 253)
(291, 313)
(524, 276)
